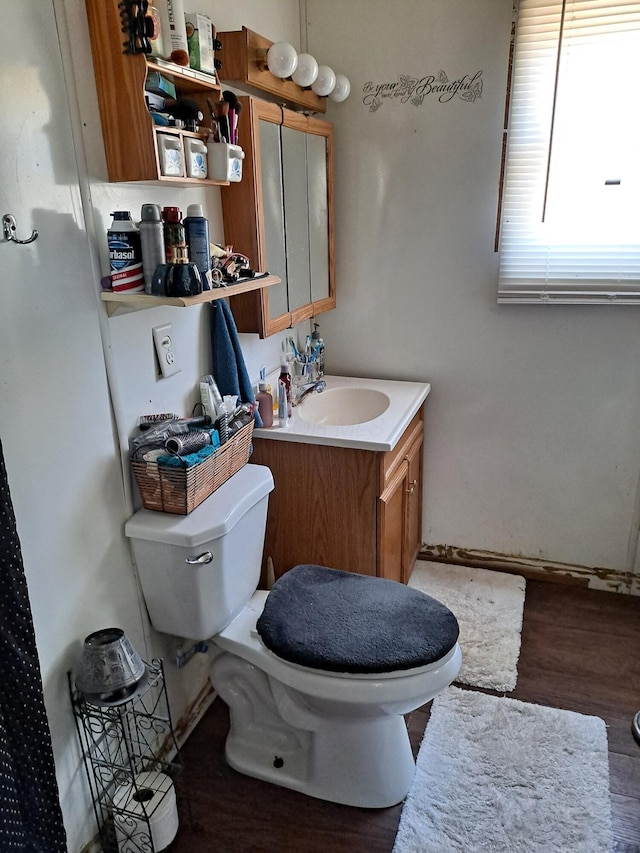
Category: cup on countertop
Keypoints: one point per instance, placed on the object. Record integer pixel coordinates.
(303, 371)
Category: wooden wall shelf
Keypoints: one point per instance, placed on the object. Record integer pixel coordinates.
(243, 64)
(128, 130)
(121, 302)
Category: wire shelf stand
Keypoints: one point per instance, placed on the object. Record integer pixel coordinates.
(120, 741)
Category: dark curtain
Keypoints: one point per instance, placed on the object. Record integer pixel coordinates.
(30, 814)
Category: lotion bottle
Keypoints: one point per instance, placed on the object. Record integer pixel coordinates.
(174, 31)
(265, 404)
(283, 413)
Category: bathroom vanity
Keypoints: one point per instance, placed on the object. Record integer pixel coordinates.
(347, 495)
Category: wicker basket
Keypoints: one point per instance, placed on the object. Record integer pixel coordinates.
(180, 490)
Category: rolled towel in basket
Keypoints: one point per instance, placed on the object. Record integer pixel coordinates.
(189, 459)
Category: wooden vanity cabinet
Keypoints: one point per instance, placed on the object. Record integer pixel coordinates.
(281, 215)
(349, 509)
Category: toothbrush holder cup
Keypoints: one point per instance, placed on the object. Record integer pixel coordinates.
(304, 371)
(224, 161)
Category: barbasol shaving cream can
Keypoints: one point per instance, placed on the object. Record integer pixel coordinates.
(125, 254)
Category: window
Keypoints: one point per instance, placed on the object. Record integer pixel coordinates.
(570, 229)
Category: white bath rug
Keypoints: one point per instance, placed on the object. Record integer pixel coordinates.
(495, 774)
(488, 607)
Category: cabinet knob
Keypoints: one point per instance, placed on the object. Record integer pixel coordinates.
(411, 488)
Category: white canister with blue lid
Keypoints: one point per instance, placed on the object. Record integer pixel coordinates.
(195, 157)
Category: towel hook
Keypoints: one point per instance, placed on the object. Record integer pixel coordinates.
(9, 229)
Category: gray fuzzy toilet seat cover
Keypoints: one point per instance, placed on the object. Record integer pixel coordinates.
(343, 622)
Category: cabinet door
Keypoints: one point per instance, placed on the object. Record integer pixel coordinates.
(272, 192)
(392, 526)
(319, 221)
(414, 508)
(296, 217)
(323, 508)
(294, 240)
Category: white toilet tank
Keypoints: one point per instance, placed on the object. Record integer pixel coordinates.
(199, 570)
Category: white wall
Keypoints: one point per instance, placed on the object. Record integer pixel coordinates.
(131, 359)
(531, 441)
(61, 421)
(532, 426)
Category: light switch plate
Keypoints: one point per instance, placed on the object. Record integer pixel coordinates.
(165, 350)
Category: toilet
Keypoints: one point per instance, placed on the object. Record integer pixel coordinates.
(319, 671)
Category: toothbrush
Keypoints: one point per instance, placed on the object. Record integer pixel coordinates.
(293, 346)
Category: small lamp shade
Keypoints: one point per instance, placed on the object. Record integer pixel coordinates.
(282, 59)
(325, 81)
(341, 89)
(110, 668)
(306, 72)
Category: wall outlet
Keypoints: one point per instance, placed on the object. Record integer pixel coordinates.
(165, 350)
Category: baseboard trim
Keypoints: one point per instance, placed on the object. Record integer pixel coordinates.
(594, 577)
(196, 711)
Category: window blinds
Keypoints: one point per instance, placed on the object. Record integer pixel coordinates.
(570, 229)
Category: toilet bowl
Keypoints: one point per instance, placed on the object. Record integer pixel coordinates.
(317, 682)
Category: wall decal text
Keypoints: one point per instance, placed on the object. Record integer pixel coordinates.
(413, 90)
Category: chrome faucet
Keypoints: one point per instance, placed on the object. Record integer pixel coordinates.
(303, 390)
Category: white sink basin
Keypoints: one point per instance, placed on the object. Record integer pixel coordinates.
(343, 406)
(364, 414)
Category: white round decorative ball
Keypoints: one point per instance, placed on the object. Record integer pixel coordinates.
(325, 81)
(282, 59)
(306, 72)
(341, 89)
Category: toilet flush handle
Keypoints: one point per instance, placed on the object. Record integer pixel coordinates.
(206, 557)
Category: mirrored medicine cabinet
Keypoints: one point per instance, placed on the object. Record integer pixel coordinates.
(281, 216)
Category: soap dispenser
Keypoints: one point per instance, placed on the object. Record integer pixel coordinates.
(318, 351)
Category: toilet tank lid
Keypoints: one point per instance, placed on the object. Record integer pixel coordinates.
(213, 518)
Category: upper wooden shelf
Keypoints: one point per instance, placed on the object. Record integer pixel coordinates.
(117, 302)
(186, 79)
(128, 130)
(244, 64)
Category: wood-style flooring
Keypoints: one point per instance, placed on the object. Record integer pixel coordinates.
(580, 651)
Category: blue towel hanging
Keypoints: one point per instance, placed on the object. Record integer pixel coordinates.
(228, 365)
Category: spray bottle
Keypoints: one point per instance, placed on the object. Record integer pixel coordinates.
(197, 236)
(125, 254)
(152, 242)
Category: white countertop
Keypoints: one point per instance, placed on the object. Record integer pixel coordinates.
(381, 433)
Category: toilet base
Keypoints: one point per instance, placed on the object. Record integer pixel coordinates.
(275, 736)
